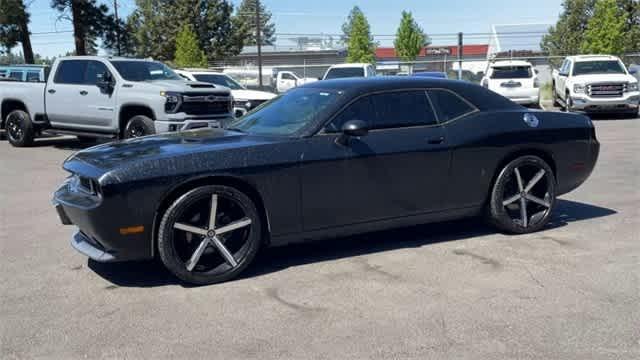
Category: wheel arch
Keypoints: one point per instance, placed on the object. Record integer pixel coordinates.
(127, 111)
(9, 105)
(227, 180)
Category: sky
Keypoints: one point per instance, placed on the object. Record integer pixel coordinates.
(52, 36)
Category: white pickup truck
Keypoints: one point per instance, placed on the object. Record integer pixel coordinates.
(349, 70)
(286, 80)
(595, 83)
(100, 97)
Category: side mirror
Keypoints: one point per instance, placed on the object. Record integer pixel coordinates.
(105, 82)
(352, 128)
(536, 71)
(563, 74)
(633, 71)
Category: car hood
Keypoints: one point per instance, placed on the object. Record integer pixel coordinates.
(251, 95)
(228, 147)
(187, 86)
(603, 78)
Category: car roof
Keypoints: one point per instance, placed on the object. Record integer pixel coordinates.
(578, 58)
(509, 63)
(349, 65)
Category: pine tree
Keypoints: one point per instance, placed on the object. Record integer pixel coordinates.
(348, 24)
(410, 38)
(605, 30)
(90, 21)
(14, 27)
(360, 45)
(246, 16)
(188, 51)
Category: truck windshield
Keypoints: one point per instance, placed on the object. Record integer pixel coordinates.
(288, 113)
(222, 80)
(144, 70)
(337, 73)
(511, 72)
(597, 67)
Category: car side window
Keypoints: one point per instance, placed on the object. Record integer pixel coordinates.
(449, 105)
(402, 109)
(287, 76)
(361, 109)
(17, 75)
(95, 72)
(33, 76)
(71, 72)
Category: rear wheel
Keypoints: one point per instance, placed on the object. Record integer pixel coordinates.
(20, 130)
(139, 125)
(209, 235)
(523, 196)
(568, 103)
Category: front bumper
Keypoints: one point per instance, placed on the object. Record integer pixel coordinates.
(176, 124)
(627, 103)
(85, 246)
(530, 96)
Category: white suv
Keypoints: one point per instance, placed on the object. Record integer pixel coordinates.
(513, 79)
(339, 71)
(595, 83)
(244, 100)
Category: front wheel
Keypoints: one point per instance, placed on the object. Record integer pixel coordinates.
(554, 95)
(523, 196)
(20, 130)
(209, 235)
(137, 126)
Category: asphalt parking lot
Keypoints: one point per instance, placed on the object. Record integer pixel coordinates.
(451, 290)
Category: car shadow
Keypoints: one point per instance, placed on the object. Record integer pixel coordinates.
(612, 117)
(64, 143)
(152, 273)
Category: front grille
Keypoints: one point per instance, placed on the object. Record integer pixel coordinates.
(205, 104)
(606, 90)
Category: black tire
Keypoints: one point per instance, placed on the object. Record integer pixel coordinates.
(568, 103)
(501, 210)
(554, 95)
(19, 128)
(137, 126)
(177, 246)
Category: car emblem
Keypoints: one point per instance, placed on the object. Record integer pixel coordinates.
(531, 120)
(211, 98)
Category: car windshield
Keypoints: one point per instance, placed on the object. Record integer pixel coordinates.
(144, 70)
(218, 79)
(511, 72)
(288, 113)
(337, 73)
(597, 67)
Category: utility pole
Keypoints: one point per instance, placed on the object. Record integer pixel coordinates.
(459, 56)
(259, 43)
(115, 11)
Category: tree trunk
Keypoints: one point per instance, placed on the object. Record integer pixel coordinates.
(79, 32)
(25, 39)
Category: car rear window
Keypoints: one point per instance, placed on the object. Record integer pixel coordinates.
(511, 72)
(337, 73)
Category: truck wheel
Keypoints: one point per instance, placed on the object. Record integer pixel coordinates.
(568, 105)
(137, 126)
(20, 131)
(554, 96)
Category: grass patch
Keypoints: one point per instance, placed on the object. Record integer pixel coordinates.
(545, 91)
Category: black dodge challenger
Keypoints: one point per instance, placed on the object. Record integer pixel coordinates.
(326, 159)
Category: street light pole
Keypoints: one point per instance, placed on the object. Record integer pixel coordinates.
(115, 11)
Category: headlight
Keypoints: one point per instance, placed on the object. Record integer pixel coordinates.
(578, 88)
(172, 102)
(632, 87)
(83, 184)
(242, 103)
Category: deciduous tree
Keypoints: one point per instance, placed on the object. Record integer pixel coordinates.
(605, 33)
(360, 45)
(188, 51)
(410, 39)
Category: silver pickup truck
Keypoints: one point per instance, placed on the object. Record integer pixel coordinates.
(100, 97)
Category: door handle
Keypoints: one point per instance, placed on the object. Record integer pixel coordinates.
(83, 92)
(51, 91)
(436, 141)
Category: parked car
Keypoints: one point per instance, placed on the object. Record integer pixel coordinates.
(244, 100)
(431, 74)
(25, 73)
(326, 159)
(349, 70)
(287, 80)
(595, 83)
(92, 97)
(514, 79)
(635, 71)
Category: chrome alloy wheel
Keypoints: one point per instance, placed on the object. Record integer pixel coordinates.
(527, 203)
(211, 235)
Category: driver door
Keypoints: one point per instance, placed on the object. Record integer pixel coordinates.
(286, 81)
(400, 168)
